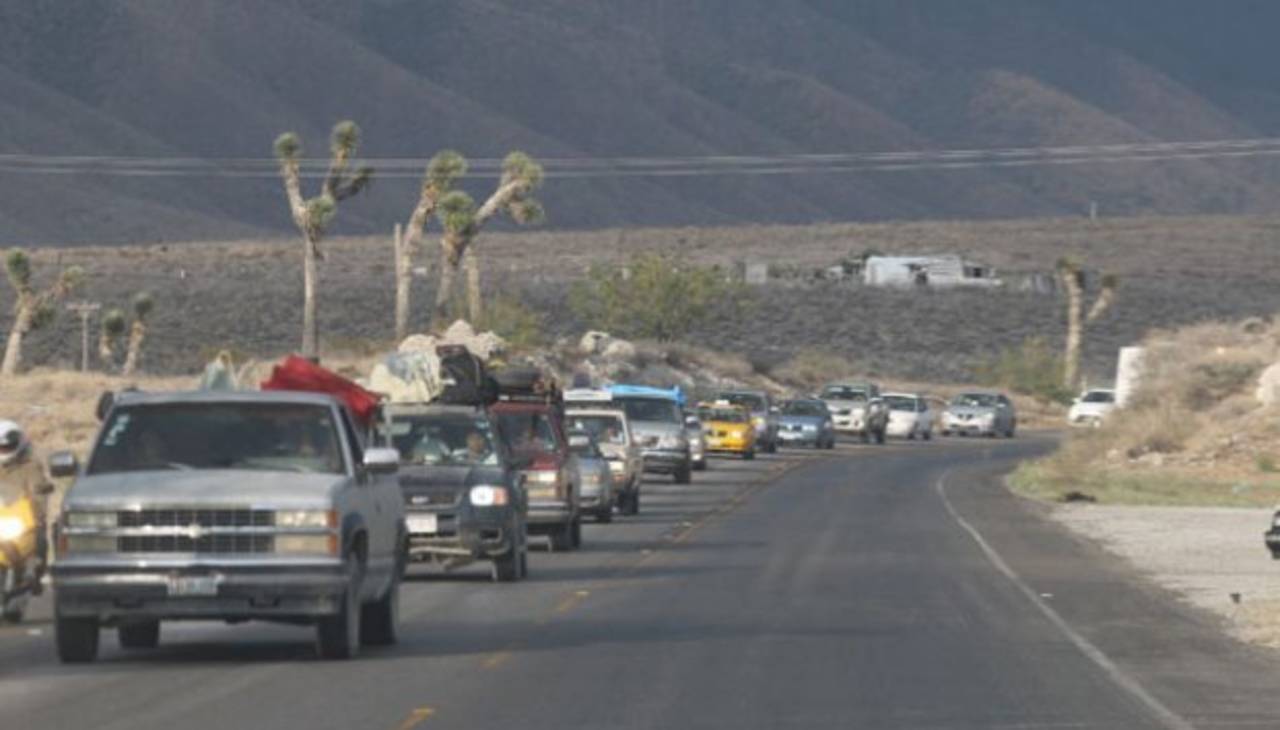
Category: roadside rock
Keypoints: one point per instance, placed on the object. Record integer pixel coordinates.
(484, 345)
(619, 350)
(594, 342)
(1268, 393)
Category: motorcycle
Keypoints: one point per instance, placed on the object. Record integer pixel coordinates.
(20, 564)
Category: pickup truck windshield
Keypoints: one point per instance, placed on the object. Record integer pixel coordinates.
(432, 440)
(604, 429)
(183, 436)
(651, 409)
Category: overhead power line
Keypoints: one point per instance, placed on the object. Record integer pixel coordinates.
(667, 166)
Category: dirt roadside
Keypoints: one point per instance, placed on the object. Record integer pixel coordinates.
(1205, 555)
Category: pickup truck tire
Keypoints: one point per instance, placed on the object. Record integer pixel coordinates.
(506, 567)
(604, 515)
(630, 504)
(380, 620)
(683, 474)
(338, 636)
(771, 447)
(77, 639)
(562, 539)
(575, 533)
(880, 436)
(140, 635)
(749, 455)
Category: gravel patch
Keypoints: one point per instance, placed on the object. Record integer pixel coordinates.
(1204, 554)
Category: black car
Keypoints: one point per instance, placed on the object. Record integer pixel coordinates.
(464, 495)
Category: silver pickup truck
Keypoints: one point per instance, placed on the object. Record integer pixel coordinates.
(230, 506)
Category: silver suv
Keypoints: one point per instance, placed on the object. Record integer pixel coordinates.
(229, 506)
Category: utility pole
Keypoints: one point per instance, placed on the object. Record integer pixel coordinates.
(86, 311)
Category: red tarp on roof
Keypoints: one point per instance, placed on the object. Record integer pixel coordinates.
(299, 374)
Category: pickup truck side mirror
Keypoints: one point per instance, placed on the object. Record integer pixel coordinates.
(381, 461)
(63, 464)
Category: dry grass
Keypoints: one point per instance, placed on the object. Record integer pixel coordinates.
(1194, 433)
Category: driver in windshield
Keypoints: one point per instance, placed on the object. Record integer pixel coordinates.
(477, 446)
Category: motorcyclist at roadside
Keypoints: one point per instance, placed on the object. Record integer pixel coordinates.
(21, 475)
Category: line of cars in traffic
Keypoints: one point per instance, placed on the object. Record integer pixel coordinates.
(309, 501)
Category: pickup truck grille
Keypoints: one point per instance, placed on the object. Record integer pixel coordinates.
(197, 517)
(434, 497)
(203, 544)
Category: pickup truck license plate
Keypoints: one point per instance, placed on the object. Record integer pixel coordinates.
(194, 585)
(422, 524)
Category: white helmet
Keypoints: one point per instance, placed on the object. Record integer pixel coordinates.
(13, 443)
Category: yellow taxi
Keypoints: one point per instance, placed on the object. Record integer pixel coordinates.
(727, 429)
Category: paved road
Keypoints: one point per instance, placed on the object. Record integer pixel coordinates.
(893, 587)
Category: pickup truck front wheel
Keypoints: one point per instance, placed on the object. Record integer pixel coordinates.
(77, 639)
(380, 620)
(338, 636)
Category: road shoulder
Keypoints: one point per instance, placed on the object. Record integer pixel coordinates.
(1179, 653)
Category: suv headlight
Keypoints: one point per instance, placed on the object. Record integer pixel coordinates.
(487, 496)
(617, 466)
(92, 520)
(543, 477)
(307, 518)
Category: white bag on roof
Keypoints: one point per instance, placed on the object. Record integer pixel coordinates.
(408, 377)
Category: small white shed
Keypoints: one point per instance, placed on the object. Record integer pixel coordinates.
(946, 270)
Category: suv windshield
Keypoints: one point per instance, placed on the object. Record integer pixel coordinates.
(428, 439)
(528, 432)
(804, 408)
(259, 436)
(842, 392)
(604, 429)
(975, 400)
(900, 403)
(651, 409)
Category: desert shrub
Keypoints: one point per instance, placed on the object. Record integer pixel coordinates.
(1267, 464)
(811, 369)
(522, 327)
(1032, 368)
(651, 297)
(1210, 383)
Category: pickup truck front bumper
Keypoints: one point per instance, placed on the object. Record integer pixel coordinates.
(666, 461)
(199, 591)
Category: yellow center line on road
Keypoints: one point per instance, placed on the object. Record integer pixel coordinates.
(416, 718)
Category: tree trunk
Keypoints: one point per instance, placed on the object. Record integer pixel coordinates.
(444, 296)
(404, 271)
(13, 349)
(1075, 330)
(310, 327)
(473, 286)
(137, 334)
(106, 350)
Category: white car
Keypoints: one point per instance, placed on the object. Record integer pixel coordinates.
(1092, 407)
(910, 416)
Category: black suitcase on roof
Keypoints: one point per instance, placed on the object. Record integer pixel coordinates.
(467, 381)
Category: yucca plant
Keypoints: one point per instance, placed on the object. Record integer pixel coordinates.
(442, 173)
(1072, 275)
(312, 216)
(32, 309)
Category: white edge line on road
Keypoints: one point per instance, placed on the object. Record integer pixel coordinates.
(1120, 677)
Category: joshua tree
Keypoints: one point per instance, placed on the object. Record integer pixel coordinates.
(1073, 280)
(32, 310)
(114, 327)
(521, 176)
(442, 172)
(313, 215)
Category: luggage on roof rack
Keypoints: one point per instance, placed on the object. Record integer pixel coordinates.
(466, 379)
(300, 374)
(526, 385)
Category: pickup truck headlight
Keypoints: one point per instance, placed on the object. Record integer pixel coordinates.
(307, 544)
(617, 467)
(92, 520)
(486, 496)
(11, 528)
(307, 518)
